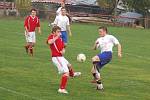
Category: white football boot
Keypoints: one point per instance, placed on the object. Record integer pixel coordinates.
(64, 91)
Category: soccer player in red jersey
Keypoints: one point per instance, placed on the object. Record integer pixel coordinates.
(57, 50)
(30, 24)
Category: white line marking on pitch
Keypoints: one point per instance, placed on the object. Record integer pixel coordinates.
(18, 93)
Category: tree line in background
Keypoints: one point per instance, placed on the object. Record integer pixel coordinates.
(140, 6)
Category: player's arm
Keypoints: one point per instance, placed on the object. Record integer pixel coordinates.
(116, 42)
(26, 24)
(26, 29)
(39, 30)
(51, 41)
(58, 11)
(95, 45)
(62, 51)
(68, 27)
(55, 21)
(69, 30)
(38, 26)
(119, 50)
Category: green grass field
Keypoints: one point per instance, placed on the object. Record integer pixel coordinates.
(35, 78)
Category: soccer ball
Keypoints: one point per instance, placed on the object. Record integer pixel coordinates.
(81, 57)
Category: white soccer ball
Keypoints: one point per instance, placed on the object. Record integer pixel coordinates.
(81, 57)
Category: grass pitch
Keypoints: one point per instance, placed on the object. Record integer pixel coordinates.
(35, 78)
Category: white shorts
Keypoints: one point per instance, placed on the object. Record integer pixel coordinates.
(61, 63)
(30, 37)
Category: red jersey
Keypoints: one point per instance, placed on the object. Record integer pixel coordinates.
(56, 47)
(31, 23)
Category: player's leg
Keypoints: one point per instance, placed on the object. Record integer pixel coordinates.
(71, 71)
(105, 58)
(63, 69)
(27, 42)
(32, 43)
(95, 61)
(64, 37)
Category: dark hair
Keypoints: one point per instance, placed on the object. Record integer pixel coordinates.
(33, 9)
(55, 28)
(104, 28)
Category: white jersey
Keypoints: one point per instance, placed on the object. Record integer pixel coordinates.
(62, 22)
(106, 43)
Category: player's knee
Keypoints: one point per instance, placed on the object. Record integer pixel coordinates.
(66, 74)
(95, 59)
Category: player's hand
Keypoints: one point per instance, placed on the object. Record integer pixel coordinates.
(26, 33)
(70, 34)
(62, 51)
(120, 55)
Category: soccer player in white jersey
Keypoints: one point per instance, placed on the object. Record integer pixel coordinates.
(63, 22)
(105, 43)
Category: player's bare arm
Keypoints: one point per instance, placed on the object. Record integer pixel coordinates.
(69, 30)
(62, 51)
(39, 30)
(51, 41)
(95, 45)
(119, 50)
(26, 29)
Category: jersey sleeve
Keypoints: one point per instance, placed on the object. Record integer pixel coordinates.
(38, 22)
(97, 41)
(115, 40)
(56, 20)
(58, 11)
(49, 37)
(26, 21)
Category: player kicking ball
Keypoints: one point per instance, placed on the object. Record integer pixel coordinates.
(57, 51)
(30, 24)
(105, 43)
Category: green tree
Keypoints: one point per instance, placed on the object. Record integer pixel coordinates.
(23, 6)
(141, 6)
(108, 4)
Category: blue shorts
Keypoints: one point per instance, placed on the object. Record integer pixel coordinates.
(105, 58)
(64, 36)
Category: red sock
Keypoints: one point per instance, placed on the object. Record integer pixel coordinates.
(63, 83)
(71, 72)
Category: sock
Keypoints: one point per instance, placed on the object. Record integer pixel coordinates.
(98, 82)
(71, 72)
(63, 83)
(94, 75)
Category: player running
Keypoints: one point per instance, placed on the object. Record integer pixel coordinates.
(57, 50)
(105, 42)
(30, 24)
